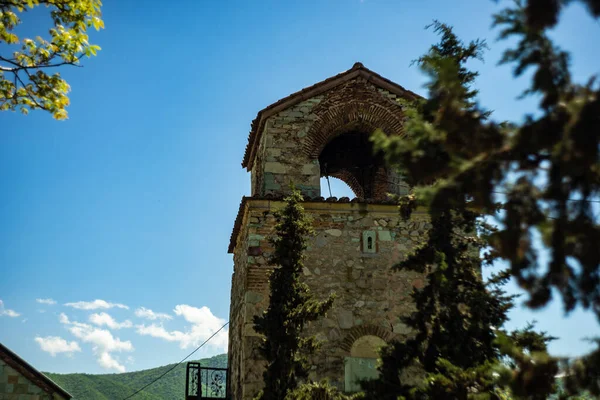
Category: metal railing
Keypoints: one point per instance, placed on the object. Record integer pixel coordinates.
(205, 383)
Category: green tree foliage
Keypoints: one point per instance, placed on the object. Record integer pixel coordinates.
(459, 350)
(25, 83)
(547, 172)
(526, 370)
(291, 306)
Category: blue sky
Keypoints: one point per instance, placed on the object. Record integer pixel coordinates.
(131, 201)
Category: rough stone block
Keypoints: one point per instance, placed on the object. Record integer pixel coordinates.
(292, 114)
(310, 169)
(384, 236)
(276, 167)
(253, 297)
(345, 319)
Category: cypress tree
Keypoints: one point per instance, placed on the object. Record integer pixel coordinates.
(291, 305)
(460, 349)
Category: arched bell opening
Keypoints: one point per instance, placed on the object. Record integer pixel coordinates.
(351, 158)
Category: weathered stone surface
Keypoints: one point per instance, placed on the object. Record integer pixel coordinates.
(362, 283)
(379, 283)
(310, 169)
(418, 283)
(249, 330)
(402, 329)
(321, 241)
(334, 232)
(345, 319)
(276, 167)
(253, 297)
(384, 236)
(334, 334)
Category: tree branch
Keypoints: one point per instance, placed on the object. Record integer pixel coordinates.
(19, 67)
(29, 94)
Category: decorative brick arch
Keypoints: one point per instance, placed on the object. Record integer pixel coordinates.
(354, 107)
(366, 116)
(364, 330)
(351, 181)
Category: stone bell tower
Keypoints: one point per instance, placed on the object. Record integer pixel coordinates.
(323, 130)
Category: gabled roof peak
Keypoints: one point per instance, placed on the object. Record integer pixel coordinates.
(357, 70)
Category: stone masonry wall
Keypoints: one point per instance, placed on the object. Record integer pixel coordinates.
(14, 386)
(370, 297)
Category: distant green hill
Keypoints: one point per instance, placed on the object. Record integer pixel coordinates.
(119, 386)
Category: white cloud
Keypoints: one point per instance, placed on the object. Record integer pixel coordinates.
(48, 301)
(107, 361)
(103, 318)
(95, 305)
(102, 340)
(7, 312)
(55, 345)
(64, 319)
(203, 325)
(10, 313)
(144, 312)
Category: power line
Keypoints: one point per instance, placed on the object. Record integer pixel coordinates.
(585, 200)
(505, 193)
(173, 367)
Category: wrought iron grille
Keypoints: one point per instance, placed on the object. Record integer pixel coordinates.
(205, 383)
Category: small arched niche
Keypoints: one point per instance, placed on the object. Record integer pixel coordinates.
(351, 158)
(362, 363)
